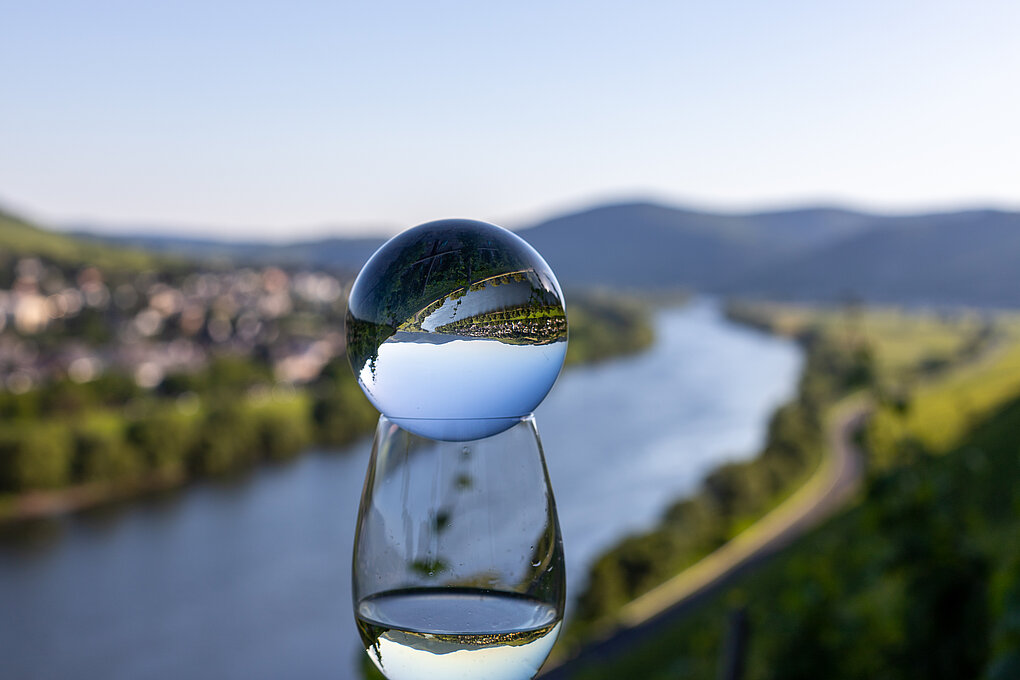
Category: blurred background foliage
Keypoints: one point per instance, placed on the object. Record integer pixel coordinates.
(920, 576)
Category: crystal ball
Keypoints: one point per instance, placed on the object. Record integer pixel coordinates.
(456, 329)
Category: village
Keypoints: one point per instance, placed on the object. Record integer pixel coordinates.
(59, 323)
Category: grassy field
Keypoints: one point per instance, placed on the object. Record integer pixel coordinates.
(937, 414)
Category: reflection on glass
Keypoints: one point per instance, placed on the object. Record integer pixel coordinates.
(454, 321)
(458, 562)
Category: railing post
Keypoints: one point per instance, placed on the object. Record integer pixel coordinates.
(734, 654)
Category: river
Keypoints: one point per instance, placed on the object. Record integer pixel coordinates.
(251, 579)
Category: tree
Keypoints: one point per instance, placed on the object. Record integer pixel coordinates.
(35, 458)
(162, 440)
(102, 455)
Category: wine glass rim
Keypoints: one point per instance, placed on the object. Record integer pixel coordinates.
(469, 419)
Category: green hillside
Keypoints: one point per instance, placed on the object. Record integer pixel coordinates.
(19, 238)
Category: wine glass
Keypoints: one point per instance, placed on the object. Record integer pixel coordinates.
(458, 560)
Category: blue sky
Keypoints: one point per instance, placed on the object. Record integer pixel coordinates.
(273, 119)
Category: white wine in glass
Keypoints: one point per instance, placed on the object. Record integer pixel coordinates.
(458, 561)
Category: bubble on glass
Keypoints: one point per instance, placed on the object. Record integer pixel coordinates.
(456, 329)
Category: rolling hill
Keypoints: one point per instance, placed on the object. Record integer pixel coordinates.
(817, 253)
(19, 237)
(345, 254)
(964, 258)
(628, 245)
(649, 245)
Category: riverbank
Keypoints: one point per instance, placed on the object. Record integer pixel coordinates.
(859, 587)
(731, 498)
(833, 483)
(54, 465)
(830, 486)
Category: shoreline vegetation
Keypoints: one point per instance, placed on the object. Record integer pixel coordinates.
(67, 446)
(920, 575)
(731, 498)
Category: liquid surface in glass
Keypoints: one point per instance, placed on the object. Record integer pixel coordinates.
(457, 634)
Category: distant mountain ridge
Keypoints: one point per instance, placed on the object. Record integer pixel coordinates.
(967, 257)
(651, 245)
(637, 244)
(962, 258)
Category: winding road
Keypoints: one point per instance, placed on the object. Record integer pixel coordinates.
(828, 490)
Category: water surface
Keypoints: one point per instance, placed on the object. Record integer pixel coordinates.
(252, 579)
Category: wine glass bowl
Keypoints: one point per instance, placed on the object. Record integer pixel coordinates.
(458, 560)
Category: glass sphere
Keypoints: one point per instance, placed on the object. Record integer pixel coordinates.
(456, 329)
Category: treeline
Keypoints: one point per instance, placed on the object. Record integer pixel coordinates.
(221, 420)
(602, 326)
(732, 496)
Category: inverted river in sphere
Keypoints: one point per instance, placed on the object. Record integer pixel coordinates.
(251, 579)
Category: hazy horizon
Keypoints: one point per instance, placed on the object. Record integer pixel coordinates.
(245, 120)
(313, 232)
